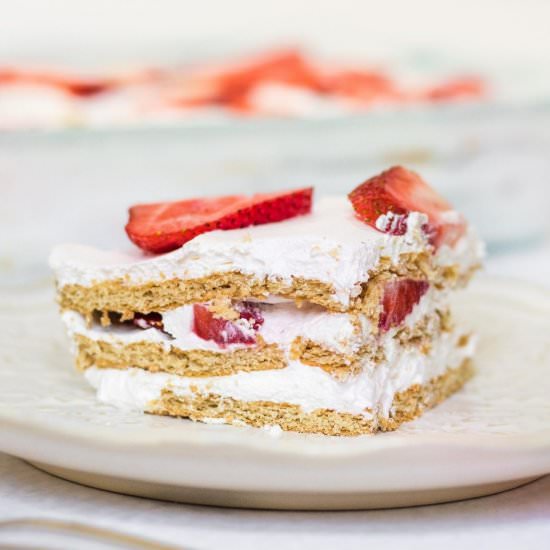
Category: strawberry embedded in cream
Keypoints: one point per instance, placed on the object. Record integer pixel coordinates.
(398, 300)
(385, 201)
(208, 326)
(162, 227)
(251, 313)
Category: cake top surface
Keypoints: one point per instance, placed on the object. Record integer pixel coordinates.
(286, 237)
(330, 231)
(332, 219)
(329, 245)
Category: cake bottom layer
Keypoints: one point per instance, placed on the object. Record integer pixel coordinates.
(407, 405)
(149, 392)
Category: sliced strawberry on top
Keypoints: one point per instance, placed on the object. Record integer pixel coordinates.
(398, 300)
(385, 201)
(222, 331)
(162, 227)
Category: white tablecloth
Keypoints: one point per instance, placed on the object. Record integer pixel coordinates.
(515, 519)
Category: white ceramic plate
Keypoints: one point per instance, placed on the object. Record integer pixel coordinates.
(493, 435)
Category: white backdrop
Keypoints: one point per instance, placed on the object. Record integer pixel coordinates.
(484, 30)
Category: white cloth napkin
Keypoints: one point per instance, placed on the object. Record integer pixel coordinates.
(511, 520)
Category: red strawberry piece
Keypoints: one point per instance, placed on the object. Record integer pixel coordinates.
(148, 320)
(284, 67)
(222, 331)
(163, 227)
(365, 87)
(398, 300)
(396, 193)
(231, 85)
(81, 87)
(252, 313)
(460, 88)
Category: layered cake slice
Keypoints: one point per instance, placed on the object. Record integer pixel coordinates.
(327, 317)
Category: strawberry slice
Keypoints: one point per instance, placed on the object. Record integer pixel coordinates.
(231, 85)
(398, 300)
(365, 87)
(459, 88)
(163, 227)
(397, 192)
(222, 331)
(285, 67)
(252, 313)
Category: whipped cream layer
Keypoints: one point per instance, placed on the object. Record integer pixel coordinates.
(282, 325)
(329, 245)
(370, 392)
(284, 322)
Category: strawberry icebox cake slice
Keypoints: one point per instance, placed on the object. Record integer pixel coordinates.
(329, 316)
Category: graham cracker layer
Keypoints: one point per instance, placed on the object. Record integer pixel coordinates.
(407, 405)
(163, 357)
(339, 365)
(122, 296)
(155, 357)
(422, 334)
(411, 403)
